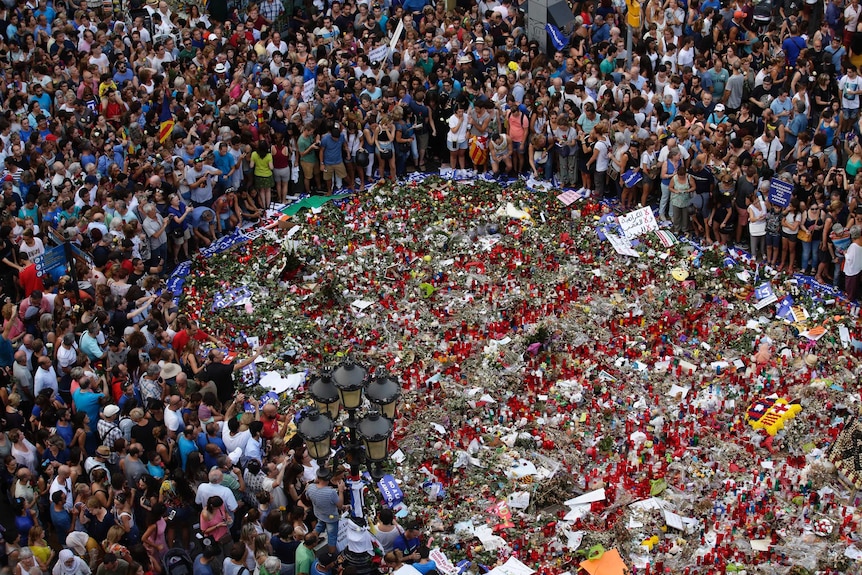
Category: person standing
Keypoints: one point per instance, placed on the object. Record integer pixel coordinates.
(853, 263)
(681, 187)
(327, 502)
(332, 146)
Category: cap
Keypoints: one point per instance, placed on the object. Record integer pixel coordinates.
(327, 558)
(464, 59)
(719, 108)
(212, 37)
(50, 138)
(479, 40)
(220, 68)
(111, 411)
(323, 63)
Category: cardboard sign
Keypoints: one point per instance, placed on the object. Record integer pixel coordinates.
(638, 222)
(780, 192)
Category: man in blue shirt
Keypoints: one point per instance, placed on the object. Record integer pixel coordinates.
(836, 52)
(792, 46)
(331, 160)
(406, 546)
(224, 161)
(601, 31)
(211, 436)
(86, 400)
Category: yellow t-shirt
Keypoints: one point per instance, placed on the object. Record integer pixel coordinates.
(261, 165)
(42, 553)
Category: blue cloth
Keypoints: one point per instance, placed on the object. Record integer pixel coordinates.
(224, 163)
(601, 33)
(88, 402)
(424, 568)
(414, 5)
(186, 446)
(200, 568)
(62, 522)
(332, 149)
(792, 46)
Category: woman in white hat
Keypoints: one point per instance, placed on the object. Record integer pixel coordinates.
(68, 564)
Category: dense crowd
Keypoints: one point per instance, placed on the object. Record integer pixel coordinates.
(136, 133)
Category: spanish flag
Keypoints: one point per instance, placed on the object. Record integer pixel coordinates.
(166, 120)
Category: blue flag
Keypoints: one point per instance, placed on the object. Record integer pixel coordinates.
(558, 39)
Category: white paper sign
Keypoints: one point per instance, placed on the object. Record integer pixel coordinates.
(308, 90)
(622, 246)
(444, 566)
(512, 567)
(380, 53)
(638, 222)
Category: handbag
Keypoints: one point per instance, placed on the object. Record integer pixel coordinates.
(564, 151)
(362, 158)
(177, 233)
(803, 235)
(613, 173)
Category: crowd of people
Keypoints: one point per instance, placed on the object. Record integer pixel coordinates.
(136, 133)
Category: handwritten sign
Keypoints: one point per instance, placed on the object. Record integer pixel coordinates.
(622, 245)
(379, 54)
(638, 222)
(308, 90)
(780, 192)
(444, 566)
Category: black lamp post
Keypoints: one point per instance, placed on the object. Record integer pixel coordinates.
(347, 386)
(316, 428)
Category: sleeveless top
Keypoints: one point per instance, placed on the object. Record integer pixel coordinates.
(500, 149)
(280, 160)
(671, 170)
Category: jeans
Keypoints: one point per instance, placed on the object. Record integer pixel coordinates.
(331, 531)
(810, 254)
(665, 200)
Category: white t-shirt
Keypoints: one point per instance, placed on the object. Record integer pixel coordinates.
(853, 259)
(846, 84)
(770, 150)
(604, 157)
(851, 16)
(37, 249)
(461, 134)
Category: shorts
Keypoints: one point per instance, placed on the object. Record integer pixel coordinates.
(264, 182)
(517, 147)
(791, 236)
(773, 240)
(310, 169)
(455, 146)
(186, 236)
(742, 216)
(337, 169)
(281, 174)
(850, 113)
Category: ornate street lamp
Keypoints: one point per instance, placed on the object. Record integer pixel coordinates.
(384, 391)
(375, 430)
(316, 428)
(326, 397)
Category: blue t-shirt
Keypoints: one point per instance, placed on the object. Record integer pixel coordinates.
(88, 402)
(200, 568)
(186, 446)
(332, 149)
(203, 439)
(196, 219)
(406, 546)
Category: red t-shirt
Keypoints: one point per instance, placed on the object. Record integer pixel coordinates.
(30, 282)
(182, 338)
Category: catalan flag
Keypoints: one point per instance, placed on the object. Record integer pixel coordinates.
(166, 120)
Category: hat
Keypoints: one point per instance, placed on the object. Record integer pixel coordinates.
(50, 138)
(324, 473)
(739, 14)
(837, 228)
(719, 108)
(212, 37)
(220, 68)
(327, 558)
(104, 450)
(465, 59)
(111, 410)
(170, 370)
(323, 63)
(479, 40)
